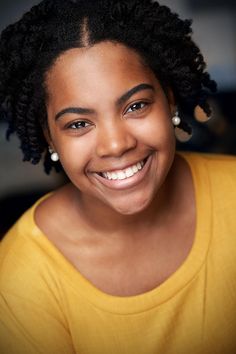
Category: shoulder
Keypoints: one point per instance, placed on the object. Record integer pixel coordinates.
(215, 185)
(217, 165)
(27, 254)
(24, 255)
(53, 207)
(215, 176)
(209, 158)
(30, 291)
(58, 217)
(219, 160)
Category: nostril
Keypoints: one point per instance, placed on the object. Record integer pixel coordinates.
(115, 142)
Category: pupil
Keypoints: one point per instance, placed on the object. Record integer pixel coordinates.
(137, 106)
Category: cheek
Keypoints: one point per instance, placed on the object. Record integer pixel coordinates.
(156, 131)
(75, 154)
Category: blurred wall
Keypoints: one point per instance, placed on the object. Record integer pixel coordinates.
(214, 29)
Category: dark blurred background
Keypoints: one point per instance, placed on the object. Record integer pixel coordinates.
(214, 28)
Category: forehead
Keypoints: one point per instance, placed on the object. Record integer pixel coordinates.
(106, 61)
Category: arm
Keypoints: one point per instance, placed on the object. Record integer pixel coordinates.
(25, 328)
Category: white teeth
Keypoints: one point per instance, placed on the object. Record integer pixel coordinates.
(139, 165)
(114, 175)
(121, 175)
(108, 175)
(128, 172)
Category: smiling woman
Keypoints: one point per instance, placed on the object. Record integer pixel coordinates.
(109, 83)
(136, 254)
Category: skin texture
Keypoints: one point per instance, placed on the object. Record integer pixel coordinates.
(128, 230)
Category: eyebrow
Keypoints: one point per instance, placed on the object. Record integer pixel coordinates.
(132, 91)
(119, 101)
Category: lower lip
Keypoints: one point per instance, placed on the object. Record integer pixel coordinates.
(120, 184)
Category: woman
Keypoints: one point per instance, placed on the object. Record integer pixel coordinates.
(136, 253)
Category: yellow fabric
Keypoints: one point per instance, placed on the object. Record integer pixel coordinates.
(48, 307)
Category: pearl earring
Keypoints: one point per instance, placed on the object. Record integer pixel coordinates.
(176, 119)
(54, 155)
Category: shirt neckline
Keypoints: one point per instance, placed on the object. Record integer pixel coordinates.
(170, 287)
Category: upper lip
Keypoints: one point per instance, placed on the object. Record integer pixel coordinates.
(121, 167)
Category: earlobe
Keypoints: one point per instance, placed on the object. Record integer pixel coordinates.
(53, 154)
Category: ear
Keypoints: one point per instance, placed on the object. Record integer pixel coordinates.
(171, 100)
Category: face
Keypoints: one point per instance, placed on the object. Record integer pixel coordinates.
(110, 122)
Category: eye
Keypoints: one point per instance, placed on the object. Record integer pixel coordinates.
(81, 124)
(137, 106)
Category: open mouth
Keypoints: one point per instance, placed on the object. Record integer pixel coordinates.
(126, 173)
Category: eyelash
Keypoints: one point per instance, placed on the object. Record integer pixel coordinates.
(70, 126)
(73, 125)
(136, 104)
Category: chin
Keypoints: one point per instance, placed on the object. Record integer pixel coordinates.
(131, 207)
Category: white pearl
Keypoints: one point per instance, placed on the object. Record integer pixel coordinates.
(176, 120)
(54, 156)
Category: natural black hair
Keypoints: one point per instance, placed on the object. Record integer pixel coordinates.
(29, 48)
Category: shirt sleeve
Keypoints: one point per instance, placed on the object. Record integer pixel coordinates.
(25, 328)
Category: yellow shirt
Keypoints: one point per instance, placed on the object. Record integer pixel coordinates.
(48, 307)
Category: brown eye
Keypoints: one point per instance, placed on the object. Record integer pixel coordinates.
(136, 107)
(78, 125)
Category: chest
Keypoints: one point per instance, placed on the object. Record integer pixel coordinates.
(132, 268)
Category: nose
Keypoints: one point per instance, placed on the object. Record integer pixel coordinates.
(114, 139)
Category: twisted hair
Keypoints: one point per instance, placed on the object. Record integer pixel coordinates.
(29, 48)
